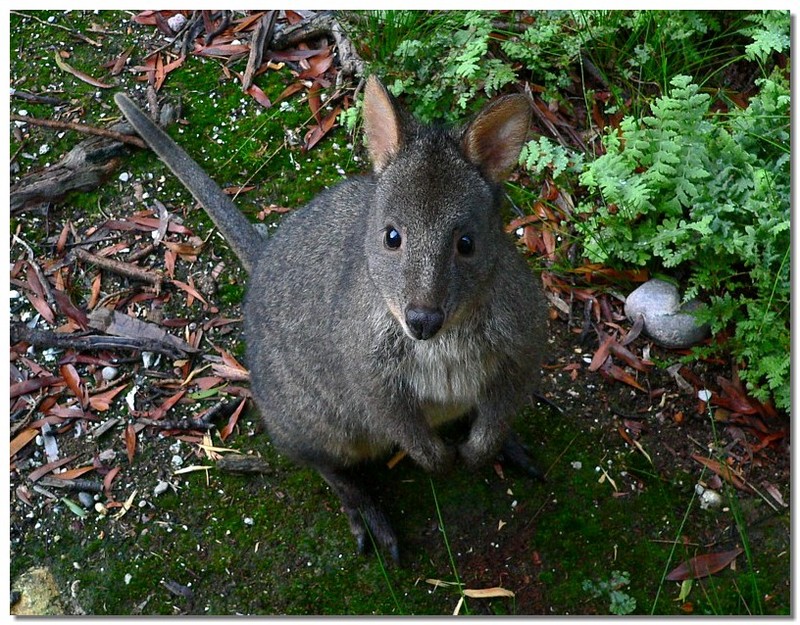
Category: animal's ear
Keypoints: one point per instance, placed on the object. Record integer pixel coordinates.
(493, 140)
(382, 125)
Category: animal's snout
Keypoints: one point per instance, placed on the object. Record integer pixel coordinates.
(424, 322)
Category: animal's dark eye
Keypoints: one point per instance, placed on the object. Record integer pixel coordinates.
(465, 245)
(392, 238)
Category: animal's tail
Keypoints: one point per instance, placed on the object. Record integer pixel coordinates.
(240, 234)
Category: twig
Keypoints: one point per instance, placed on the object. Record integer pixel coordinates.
(176, 424)
(125, 269)
(38, 99)
(90, 342)
(223, 24)
(239, 463)
(89, 130)
(72, 32)
(48, 293)
(261, 35)
(90, 486)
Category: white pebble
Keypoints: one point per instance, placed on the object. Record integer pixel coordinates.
(177, 21)
(109, 373)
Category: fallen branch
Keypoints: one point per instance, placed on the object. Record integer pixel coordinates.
(91, 342)
(319, 25)
(261, 35)
(83, 168)
(176, 424)
(88, 130)
(122, 325)
(124, 269)
(90, 486)
(238, 463)
(37, 98)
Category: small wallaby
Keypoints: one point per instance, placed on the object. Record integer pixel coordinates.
(389, 305)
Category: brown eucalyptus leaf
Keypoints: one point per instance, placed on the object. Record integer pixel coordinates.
(703, 565)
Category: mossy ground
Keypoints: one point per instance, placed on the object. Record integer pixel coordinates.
(278, 544)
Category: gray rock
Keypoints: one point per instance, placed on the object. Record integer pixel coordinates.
(665, 320)
(86, 499)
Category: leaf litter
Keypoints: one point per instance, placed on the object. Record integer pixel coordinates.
(75, 398)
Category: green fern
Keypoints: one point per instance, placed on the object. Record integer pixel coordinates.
(684, 188)
(770, 33)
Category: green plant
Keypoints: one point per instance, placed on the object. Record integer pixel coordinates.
(769, 32)
(542, 156)
(446, 71)
(621, 602)
(683, 188)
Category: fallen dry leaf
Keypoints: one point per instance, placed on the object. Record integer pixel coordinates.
(33, 384)
(259, 96)
(488, 593)
(107, 481)
(703, 565)
(316, 133)
(618, 373)
(22, 439)
(50, 467)
(160, 411)
(724, 471)
(75, 383)
(234, 418)
(102, 401)
(66, 67)
(130, 442)
(71, 474)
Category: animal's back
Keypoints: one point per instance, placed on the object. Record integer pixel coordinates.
(304, 318)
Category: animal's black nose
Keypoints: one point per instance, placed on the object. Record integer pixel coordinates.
(424, 322)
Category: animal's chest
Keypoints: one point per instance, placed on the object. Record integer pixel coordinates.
(448, 376)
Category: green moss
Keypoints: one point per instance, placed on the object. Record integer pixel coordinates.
(279, 544)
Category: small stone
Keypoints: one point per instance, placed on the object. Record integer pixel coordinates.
(177, 460)
(666, 321)
(86, 499)
(107, 455)
(160, 488)
(704, 394)
(109, 373)
(708, 498)
(176, 22)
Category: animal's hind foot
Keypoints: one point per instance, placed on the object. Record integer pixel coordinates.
(515, 453)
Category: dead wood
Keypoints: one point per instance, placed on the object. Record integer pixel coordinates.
(315, 27)
(261, 35)
(124, 269)
(88, 130)
(83, 168)
(93, 342)
(238, 463)
(122, 325)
